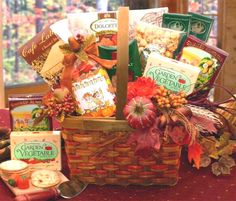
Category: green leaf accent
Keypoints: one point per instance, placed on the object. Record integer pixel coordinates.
(215, 168)
(227, 161)
(12, 182)
(35, 112)
(82, 56)
(225, 169)
(61, 117)
(65, 48)
(88, 41)
(41, 117)
(224, 139)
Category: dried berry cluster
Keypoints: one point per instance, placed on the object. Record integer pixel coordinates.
(166, 99)
(67, 106)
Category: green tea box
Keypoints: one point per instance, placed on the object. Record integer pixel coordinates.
(110, 52)
(172, 74)
(176, 21)
(41, 150)
(201, 26)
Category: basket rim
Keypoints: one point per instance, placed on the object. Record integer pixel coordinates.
(95, 124)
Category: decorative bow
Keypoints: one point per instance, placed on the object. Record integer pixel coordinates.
(83, 49)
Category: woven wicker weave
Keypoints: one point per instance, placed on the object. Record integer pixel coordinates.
(118, 163)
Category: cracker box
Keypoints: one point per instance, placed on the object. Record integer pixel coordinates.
(24, 109)
(174, 75)
(38, 149)
(207, 58)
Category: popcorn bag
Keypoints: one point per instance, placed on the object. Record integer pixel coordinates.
(126, 107)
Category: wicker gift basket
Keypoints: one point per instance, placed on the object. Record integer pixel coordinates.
(97, 148)
(154, 116)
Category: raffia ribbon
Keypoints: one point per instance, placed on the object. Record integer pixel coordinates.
(92, 52)
(69, 60)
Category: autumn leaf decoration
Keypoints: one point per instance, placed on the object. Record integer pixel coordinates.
(147, 140)
(204, 123)
(223, 166)
(78, 46)
(194, 154)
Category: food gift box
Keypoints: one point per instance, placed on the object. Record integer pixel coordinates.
(24, 109)
(175, 76)
(41, 150)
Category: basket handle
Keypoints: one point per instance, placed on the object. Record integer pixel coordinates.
(122, 60)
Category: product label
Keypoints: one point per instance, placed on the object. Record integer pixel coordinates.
(93, 93)
(107, 25)
(35, 151)
(176, 25)
(172, 80)
(178, 22)
(198, 27)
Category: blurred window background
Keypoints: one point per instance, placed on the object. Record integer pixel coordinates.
(209, 8)
(22, 19)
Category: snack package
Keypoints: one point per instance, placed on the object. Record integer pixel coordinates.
(24, 109)
(178, 22)
(40, 149)
(105, 24)
(209, 59)
(43, 54)
(109, 52)
(174, 75)
(145, 54)
(94, 93)
(201, 26)
(165, 40)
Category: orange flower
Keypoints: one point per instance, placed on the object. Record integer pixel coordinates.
(143, 86)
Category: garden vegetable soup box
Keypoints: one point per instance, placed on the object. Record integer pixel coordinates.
(38, 149)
